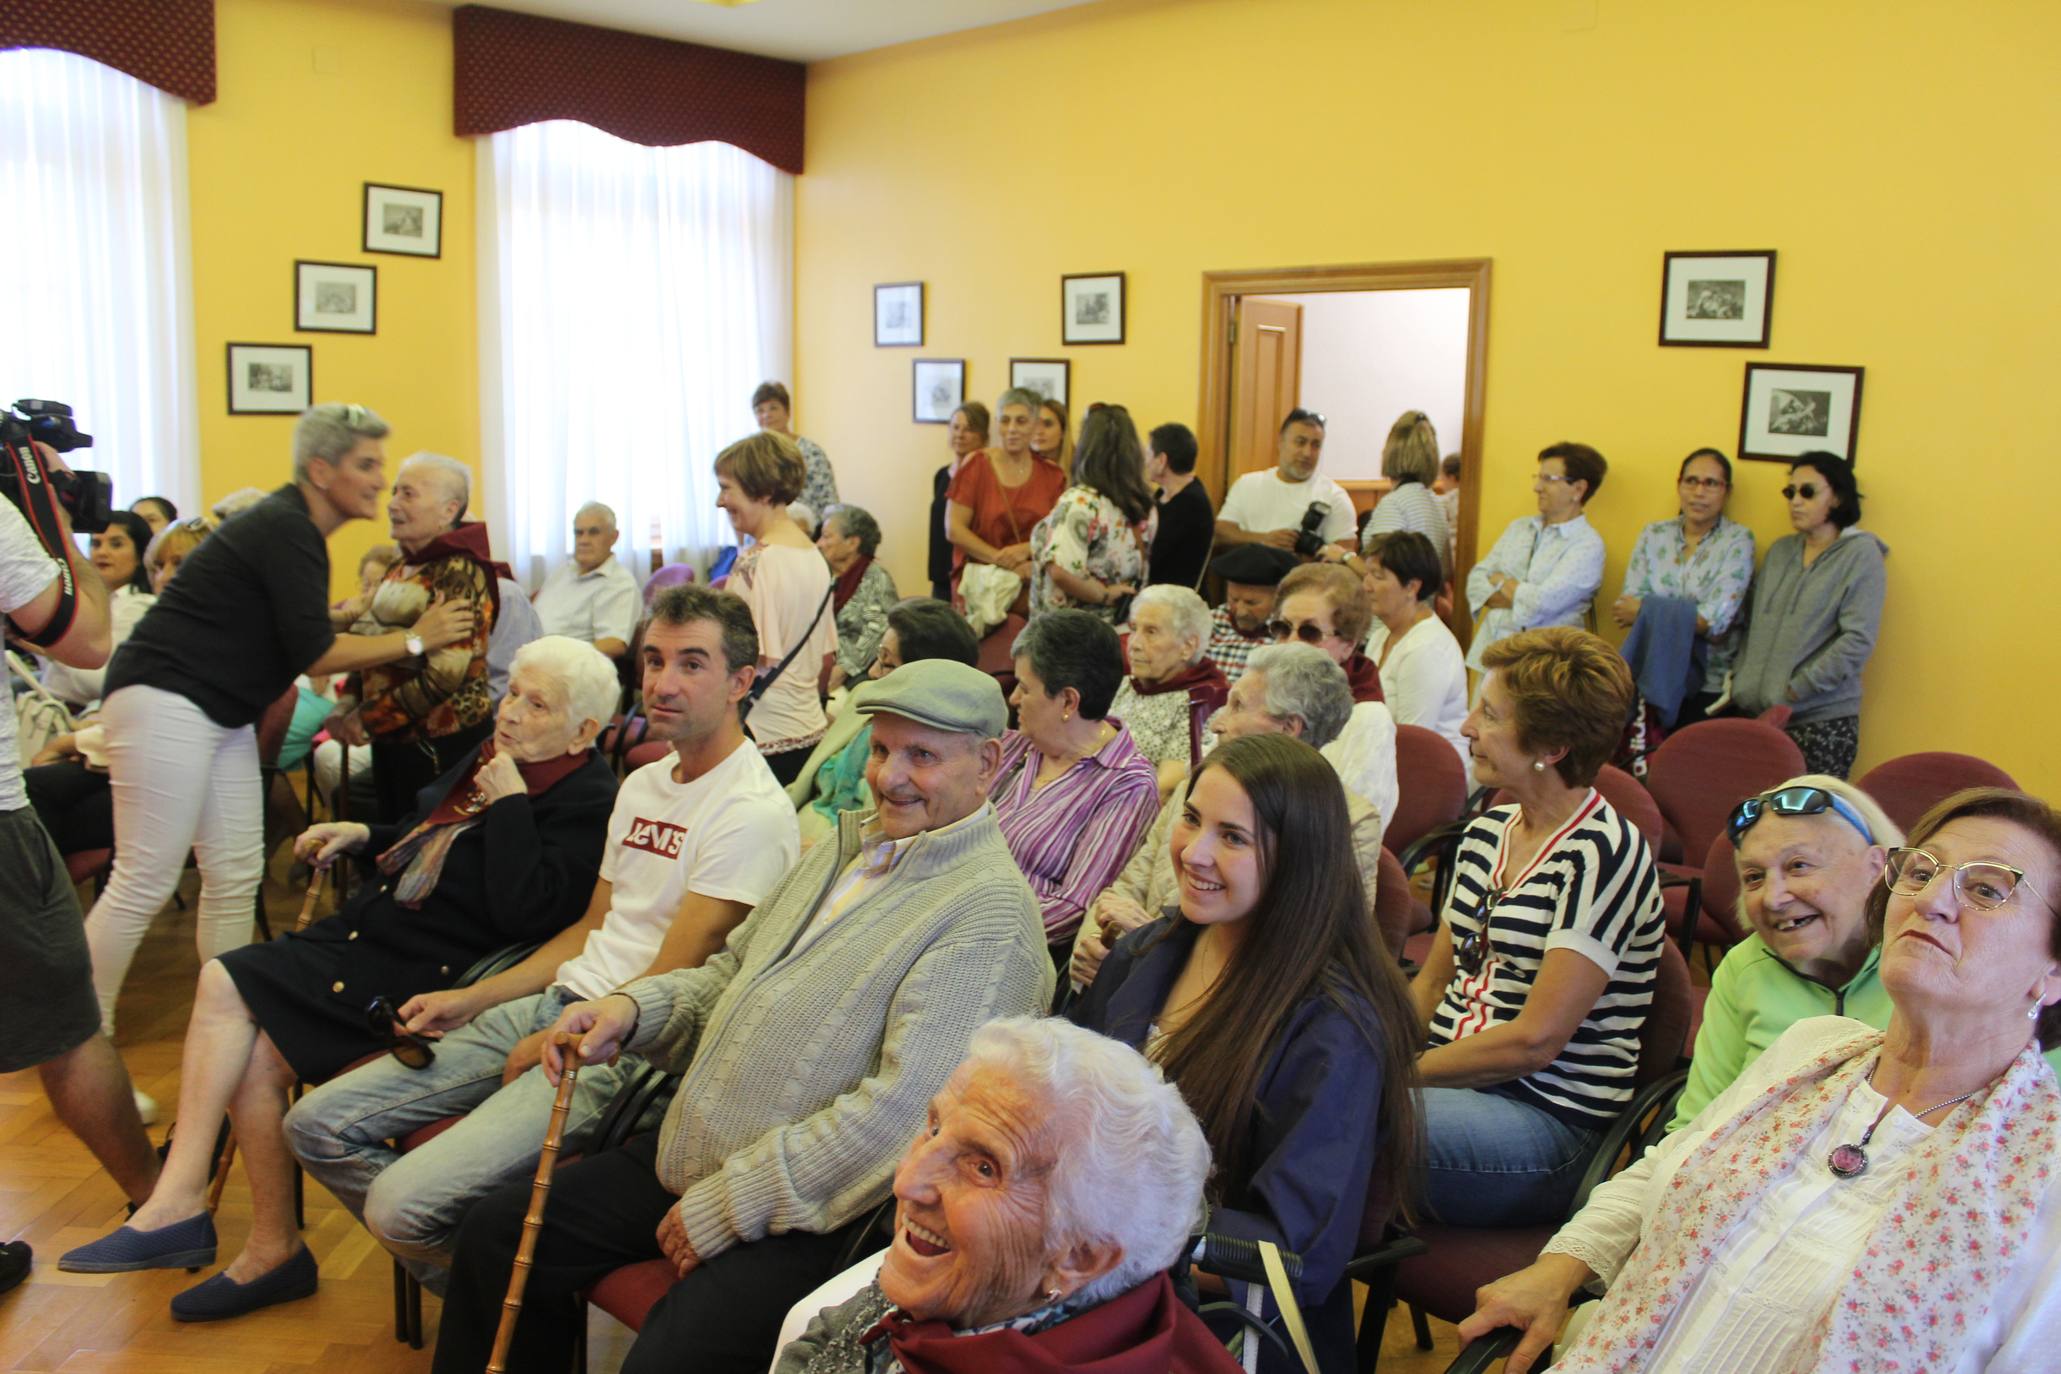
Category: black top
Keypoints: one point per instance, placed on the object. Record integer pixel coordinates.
(940, 546)
(1186, 527)
(247, 614)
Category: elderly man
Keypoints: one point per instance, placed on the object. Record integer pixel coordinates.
(694, 841)
(1546, 568)
(1280, 505)
(1287, 689)
(1173, 688)
(427, 711)
(810, 1049)
(593, 597)
(1251, 572)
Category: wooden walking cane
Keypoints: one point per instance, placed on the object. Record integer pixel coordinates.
(540, 1189)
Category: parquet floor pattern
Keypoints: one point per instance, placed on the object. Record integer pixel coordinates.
(53, 1195)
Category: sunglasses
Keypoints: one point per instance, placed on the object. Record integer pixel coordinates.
(1808, 491)
(1472, 956)
(1309, 632)
(384, 1022)
(1792, 801)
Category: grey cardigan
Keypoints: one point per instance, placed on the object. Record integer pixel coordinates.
(1812, 630)
(808, 1070)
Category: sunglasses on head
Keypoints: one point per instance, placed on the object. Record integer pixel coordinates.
(1309, 632)
(384, 1022)
(1808, 491)
(1792, 801)
(1472, 955)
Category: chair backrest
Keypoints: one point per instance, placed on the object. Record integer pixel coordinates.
(650, 751)
(1629, 798)
(1699, 774)
(1431, 786)
(671, 575)
(1721, 887)
(272, 726)
(1392, 905)
(1909, 786)
(994, 657)
(1666, 1032)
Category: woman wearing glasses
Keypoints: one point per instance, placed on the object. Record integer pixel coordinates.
(1897, 1202)
(1327, 607)
(1699, 564)
(1538, 982)
(507, 854)
(1816, 610)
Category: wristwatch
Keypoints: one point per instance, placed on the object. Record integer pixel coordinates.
(415, 649)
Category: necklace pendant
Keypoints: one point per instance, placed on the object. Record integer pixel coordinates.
(1847, 1161)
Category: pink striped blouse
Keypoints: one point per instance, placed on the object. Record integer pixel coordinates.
(1072, 837)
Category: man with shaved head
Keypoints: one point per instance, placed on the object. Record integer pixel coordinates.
(592, 597)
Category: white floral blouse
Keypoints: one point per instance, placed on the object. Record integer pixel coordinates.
(1087, 535)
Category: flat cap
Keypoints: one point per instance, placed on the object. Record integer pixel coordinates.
(942, 694)
(1254, 565)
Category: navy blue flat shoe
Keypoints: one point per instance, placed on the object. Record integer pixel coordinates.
(222, 1296)
(14, 1263)
(184, 1244)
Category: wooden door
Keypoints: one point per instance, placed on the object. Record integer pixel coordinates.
(1266, 380)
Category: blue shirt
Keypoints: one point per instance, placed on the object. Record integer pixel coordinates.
(1558, 569)
(1716, 577)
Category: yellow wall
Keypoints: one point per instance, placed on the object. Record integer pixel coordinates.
(317, 97)
(1890, 153)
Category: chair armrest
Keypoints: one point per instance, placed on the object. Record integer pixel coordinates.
(1659, 1097)
(1485, 1354)
(628, 1106)
(500, 961)
(1388, 1254)
(1431, 843)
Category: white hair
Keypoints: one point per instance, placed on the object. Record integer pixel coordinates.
(1187, 611)
(1303, 682)
(606, 513)
(1881, 829)
(457, 478)
(328, 432)
(579, 670)
(1131, 1159)
(804, 515)
(236, 502)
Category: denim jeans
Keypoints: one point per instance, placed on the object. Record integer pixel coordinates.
(1492, 1160)
(412, 1203)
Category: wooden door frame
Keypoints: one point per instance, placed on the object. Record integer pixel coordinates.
(1221, 289)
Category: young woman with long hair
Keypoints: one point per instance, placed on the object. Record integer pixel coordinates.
(1089, 553)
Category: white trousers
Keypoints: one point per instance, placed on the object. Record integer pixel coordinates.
(180, 782)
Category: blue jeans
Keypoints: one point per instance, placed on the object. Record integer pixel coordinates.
(1492, 1160)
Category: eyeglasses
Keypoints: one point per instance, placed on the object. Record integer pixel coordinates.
(1704, 483)
(1793, 801)
(384, 1022)
(1472, 955)
(1554, 477)
(1309, 632)
(1980, 883)
(1808, 491)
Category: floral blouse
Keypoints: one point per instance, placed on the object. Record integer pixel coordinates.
(862, 621)
(1716, 577)
(1087, 535)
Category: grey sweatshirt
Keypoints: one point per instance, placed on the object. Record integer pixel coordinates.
(1812, 629)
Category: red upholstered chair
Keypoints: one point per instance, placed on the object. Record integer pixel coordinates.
(1909, 786)
(1630, 799)
(994, 653)
(1699, 774)
(650, 751)
(1431, 784)
(1393, 904)
(89, 863)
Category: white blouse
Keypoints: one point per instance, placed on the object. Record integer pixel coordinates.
(1789, 1258)
(1425, 680)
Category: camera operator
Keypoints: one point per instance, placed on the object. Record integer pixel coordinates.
(49, 1021)
(1288, 506)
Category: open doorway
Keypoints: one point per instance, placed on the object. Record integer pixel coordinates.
(1361, 344)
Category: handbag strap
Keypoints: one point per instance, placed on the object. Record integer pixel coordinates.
(760, 685)
(1284, 1302)
(1009, 511)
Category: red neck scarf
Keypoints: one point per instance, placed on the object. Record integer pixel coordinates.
(847, 584)
(1363, 677)
(418, 856)
(1145, 1331)
(466, 539)
(1201, 679)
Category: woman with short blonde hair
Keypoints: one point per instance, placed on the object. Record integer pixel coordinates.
(1410, 460)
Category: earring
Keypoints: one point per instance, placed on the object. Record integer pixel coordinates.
(1066, 715)
(1051, 1295)
(1538, 765)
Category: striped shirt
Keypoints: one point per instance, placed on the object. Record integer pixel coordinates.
(1591, 889)
(1229, 649)
(1072, 836)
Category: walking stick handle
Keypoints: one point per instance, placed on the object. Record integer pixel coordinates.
(540, 1190)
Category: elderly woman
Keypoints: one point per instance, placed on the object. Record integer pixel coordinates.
(157, 512)
(1409, 459)
(966, 436)
(1326, 607)
(504, 849)
(1173, 688)
(773, 408)
(117, 556)
(1089, 550)
(788, 587)
(863, 589)
(1270, 1002)
(1035, 1218)
(1817, 607)
(1700, 563)
(1000, 494)
(1073, 794)
(1423, 671)
(1900, 1205)
(1538, 981)
(1546, 568)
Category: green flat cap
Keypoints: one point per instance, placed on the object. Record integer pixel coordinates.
(943, 695)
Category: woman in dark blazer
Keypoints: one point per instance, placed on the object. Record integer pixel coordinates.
(1269, 1000)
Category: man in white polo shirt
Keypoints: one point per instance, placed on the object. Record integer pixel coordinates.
(696, 839)
(1270, 507)
(592, 598)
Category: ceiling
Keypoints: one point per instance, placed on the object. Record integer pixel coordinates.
(800, 30)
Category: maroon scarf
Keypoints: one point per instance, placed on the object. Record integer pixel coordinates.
(1145, 1331)
(466, 539)
(419, 855)
(1207, 690)
(847, 584)
(1363, 677)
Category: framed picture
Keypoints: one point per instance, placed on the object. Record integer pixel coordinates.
(898, 315)
(335, 298)
(1091, 309)
(940, 389)
(1717, 300)
(1794, 408)
(270, 379)
(404, 219)
(1046, 376)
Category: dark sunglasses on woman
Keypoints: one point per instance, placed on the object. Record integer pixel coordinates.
(1808, 491)
(1472, 955)
(412, 1050)
(1308, 632)
(1792, 801)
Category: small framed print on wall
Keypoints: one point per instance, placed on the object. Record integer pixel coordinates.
(1717, 300)
(270, 379)
(1046, 376)
(1795, 408)
(940, 389)
(1091, 309)
(404, 219)
(335, 298)
(898, 315)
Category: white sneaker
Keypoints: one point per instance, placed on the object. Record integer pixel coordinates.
(146, 1106)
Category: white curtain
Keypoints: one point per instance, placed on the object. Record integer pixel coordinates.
(97, 270)
(630, 299)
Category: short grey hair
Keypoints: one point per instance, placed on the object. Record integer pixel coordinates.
(328, 432)
(1020, 396)
(1303, 682)
(596, 508)
(857, 523)
(1188, 612)
(1131, 1158)
(582, 672)
(456, 476)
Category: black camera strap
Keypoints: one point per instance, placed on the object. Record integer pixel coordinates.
(39, 505)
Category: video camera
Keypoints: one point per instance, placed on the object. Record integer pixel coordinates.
(1309, 543)
(88, 497)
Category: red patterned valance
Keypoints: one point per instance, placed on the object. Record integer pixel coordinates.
(516, 69)
(168, 43)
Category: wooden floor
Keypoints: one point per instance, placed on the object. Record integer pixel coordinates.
(53, 1195)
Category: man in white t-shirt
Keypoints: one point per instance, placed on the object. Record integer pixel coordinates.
(1269, 507)
(696, 839)
(591, 597)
